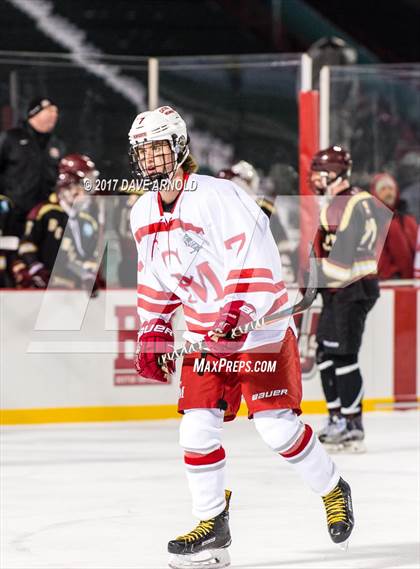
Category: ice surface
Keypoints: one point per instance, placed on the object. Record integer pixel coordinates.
(110, 496)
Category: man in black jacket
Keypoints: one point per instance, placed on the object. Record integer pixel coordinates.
(29, 157)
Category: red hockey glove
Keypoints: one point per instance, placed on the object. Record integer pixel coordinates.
(232, 315)
(40, 275)
(155, 338)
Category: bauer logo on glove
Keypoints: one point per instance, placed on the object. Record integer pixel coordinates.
(155, 338)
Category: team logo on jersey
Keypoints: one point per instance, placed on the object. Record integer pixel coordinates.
(190, 241)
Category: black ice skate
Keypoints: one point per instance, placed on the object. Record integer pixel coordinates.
(333, 428)
(339, 509)
(204, 546)
(349, 438)
(353, 437)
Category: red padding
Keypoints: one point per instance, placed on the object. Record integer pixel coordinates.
(405, 345)
(212, 458)
(308, 146)
(300, 444)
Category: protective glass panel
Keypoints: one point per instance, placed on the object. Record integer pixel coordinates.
(97, 98)
(375, 113)
(239, 108)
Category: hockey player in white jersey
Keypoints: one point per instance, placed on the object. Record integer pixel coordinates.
(205, 245)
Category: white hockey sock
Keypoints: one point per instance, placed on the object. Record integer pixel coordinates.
(206, 479)
(287, 435)
(313, 463)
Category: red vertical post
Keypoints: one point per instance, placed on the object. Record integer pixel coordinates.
(405, 345)
(308, 145)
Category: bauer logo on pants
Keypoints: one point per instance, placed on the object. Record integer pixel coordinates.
(266, 394)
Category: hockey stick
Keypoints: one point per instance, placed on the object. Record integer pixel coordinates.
(298, 308)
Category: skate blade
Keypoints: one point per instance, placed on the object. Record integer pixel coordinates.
(352, 447)
(208, 559)
(344, 545)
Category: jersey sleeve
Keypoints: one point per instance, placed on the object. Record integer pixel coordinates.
(154, 299)
(252, 260)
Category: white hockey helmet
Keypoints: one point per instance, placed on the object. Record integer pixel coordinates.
(244, 174)
(164, 123)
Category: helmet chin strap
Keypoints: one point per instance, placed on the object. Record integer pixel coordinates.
(332, 185)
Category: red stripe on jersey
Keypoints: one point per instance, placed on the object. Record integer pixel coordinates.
(250, 273)
(140, 266)
(178, 223)
(201, 316)
(156, 294)
(212, 458)
(300, 444)
(158, 308)
(147, 230)
(254, 287)
(165, 226)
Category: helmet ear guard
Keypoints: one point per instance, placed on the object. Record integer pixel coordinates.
(179, 144)
(180, 148)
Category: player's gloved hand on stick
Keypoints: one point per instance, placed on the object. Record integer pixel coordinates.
(232, 315)
(21, 275)
(39, 275)
(155, 338)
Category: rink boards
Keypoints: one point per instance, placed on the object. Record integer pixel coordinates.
(66, 358)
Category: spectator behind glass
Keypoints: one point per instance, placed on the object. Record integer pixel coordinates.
(29, 156)
(399, 249)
